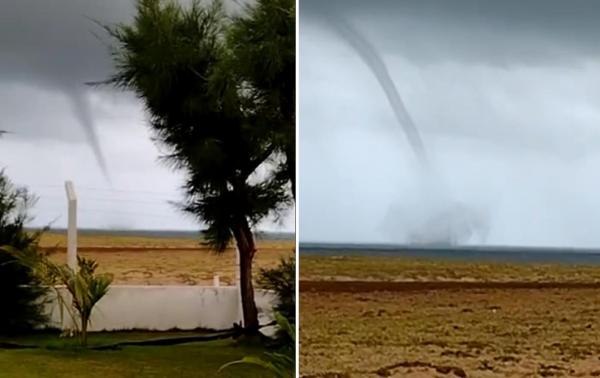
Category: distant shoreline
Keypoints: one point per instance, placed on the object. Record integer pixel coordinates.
(183, 234)
(585, 256)
(433, 247)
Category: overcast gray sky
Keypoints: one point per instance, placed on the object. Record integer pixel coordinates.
(506, 95)
(48, 50)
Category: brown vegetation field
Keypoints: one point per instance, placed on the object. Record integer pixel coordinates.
(394, 317)
(163, 261)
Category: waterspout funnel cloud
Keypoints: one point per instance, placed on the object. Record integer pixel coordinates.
(444, 220)
(82, 111)
(371, 58)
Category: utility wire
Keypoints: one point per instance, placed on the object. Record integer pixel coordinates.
(83, 198)
(117, 212)
(78, 187)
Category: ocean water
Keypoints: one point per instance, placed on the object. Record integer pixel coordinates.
(509, 254)
(183, 234)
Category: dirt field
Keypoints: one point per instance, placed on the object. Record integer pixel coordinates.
(441, 328)
(162, 261)
(361, 268)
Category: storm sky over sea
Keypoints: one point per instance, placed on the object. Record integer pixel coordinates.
(506, 97)
(63, 129)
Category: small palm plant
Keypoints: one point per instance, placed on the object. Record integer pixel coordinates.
(280, 364)
(84, 286)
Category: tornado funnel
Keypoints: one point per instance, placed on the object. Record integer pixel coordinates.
(369, 55)
(82, 111)
(444, 220)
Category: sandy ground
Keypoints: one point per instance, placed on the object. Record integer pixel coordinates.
(163, 261)
(446, 329)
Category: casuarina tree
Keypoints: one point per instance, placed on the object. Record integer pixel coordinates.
(215, 122)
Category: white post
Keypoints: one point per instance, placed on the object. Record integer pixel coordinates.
(72, 226)
(216, 281)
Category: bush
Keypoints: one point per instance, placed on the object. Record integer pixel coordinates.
(280, 363)
(21, 295)
(84, 285)
(282, 280)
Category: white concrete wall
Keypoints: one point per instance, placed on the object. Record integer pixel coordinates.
(167, 307)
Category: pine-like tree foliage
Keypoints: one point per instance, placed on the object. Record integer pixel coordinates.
(262, 46)
(218, 123)
(21, 295)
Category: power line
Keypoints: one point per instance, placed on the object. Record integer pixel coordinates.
(113, 190)
(105, 199)
(62, 211)
(128, 213)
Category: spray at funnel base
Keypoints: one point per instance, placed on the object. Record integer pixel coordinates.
(420, 221)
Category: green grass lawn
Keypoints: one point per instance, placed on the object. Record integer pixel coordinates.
(59, 357)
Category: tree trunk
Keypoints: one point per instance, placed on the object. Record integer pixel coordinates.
(288, 109)
(245, 243)
(290, 153)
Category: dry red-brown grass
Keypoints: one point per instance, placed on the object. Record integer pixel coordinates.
(441, 329)
(163, 261)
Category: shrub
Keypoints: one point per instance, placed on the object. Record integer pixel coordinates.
(21, 293)
(280, 363)
(85, 287)
(282, 280)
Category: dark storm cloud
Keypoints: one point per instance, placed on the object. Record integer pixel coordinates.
(57, 46)
(514, 36)
(488, 32)
(51, 45)
(57, 43)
